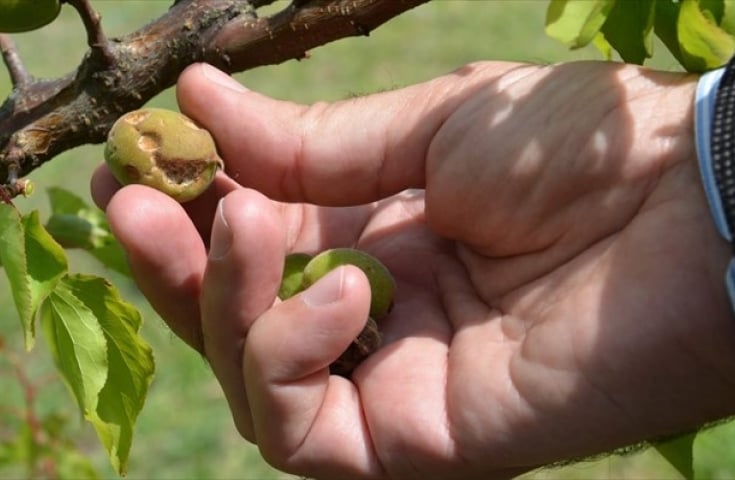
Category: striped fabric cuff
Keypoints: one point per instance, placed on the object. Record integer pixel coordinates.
(703, 113)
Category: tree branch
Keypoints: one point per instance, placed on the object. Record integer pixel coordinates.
(42, 118)
(292, 32)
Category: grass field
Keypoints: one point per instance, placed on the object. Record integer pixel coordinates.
(185, 431)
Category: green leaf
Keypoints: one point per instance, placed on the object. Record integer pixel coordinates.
(678, 452)
(74, 231)
(128, 362)
(712, 9)
(77, 344)
(75, 224)
(576, 22)
(713, 452)
(602, 45)
(665, 26)
(703, 44)
(13, 258)
(33, 262)
(113, 257)
(727, 23)
(46, 259)
(628, 29)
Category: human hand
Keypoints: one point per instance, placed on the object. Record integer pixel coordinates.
(559, 276)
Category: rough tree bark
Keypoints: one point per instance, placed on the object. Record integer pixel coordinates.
(42, 118)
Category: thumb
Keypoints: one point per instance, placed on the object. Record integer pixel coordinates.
(363, 148)
(299, 411)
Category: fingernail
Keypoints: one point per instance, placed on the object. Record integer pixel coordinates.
(326, 290)
(222, 79)
(221, 240)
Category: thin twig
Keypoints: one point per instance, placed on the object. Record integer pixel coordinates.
(19, 76)
(96, 38)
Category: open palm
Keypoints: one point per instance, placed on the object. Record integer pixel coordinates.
(559, 278)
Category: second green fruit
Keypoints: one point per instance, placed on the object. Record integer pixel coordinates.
(301, 270)
(382, 285)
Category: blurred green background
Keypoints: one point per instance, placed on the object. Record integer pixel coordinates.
(185, 431)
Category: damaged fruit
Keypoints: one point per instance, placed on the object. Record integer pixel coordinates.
(162, 149)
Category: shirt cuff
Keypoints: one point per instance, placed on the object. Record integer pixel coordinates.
(703, 112)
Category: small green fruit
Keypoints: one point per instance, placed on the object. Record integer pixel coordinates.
(293, 273)
(25, 15)
(382, 285)
(162, 149)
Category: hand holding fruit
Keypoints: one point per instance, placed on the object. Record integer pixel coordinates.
(165, 150)
(301, 271)
(521, 254)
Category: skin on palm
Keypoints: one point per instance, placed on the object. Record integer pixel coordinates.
(563, 293)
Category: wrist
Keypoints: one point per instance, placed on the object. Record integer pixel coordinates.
(719, 252)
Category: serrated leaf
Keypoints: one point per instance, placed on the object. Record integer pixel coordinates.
(576, 22)
(75, 224)
(678, 452)
(128, 361)
(13, 257)
(33, 262)
(703, 44)
(628, 29)
(46, 259)
(77, 344)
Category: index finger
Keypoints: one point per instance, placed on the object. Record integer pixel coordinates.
(345, 153)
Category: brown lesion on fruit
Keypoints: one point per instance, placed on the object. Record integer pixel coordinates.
(367, 342)
(181, 171)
